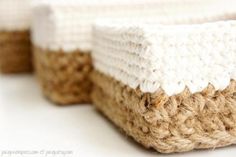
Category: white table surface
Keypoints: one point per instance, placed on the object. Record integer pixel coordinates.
(32, 126)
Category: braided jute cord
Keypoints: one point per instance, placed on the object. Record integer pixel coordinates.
(178, 123)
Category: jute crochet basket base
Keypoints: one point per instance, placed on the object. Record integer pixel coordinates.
(15, 52)
(169, 124)
(64, 76)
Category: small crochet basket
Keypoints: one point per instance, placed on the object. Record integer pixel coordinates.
(15, 45)
(171, 88)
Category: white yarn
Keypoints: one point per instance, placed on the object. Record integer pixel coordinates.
(15, 14)
(67, 24)
(170, 57)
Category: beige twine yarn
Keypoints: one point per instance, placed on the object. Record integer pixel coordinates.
(64, 76)
(178, 123)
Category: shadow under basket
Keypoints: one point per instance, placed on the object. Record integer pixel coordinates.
(169, 124)
(64, 76)
(15, 52)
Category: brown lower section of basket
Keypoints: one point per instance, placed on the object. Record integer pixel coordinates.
(64, 77)
(169, 124)
(15, 52)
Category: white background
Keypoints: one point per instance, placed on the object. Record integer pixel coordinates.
(28, 122)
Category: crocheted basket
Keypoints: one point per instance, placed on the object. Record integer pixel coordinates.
(171, 88)
(15, 52)
(15, 45)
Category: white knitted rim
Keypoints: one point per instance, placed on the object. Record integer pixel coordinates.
(171, 57)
